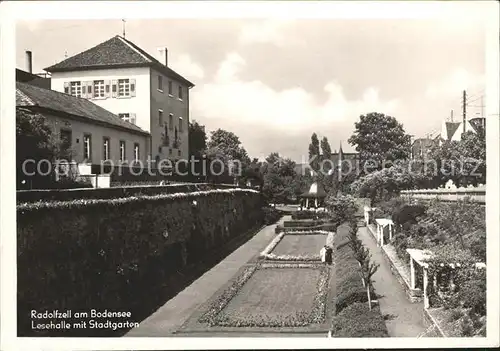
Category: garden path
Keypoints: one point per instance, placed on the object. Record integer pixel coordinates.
(177, 310)
(404, 319)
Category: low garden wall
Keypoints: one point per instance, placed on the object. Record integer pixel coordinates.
(113, 192)
(111, 253)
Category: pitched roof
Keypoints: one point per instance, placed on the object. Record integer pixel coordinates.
(451, 128)
(315, 191)
(33, 79)
(477, 123)
(32, 96)
(113, 53)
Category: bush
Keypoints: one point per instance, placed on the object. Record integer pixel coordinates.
(271, 215)
(341, 208)
(309, 215)
(357, 320)
(407, 214)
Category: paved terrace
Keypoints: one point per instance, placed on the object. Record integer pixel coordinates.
(172, 315)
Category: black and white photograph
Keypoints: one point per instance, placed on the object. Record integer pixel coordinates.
(204, 171)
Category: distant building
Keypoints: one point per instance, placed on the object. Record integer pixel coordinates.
(89, 133)
(452, 131)
(124, 79)
(41, 80)
(332, 162)
(421, 147)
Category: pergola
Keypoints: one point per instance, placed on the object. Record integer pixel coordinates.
(382, 225)
(420, 257)
(314, 197)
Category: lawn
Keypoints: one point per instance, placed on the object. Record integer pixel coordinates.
(296, 245)
(270, 297)
(275, 293)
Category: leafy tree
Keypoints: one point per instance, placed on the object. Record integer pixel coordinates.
(197, 139)
(35, 141)
(226, 147)
(279, 178)
(380, 138)
(325, 147)
(314, 152)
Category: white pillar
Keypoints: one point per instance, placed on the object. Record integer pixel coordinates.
(426, 283)
(307, 202)
(316, 202)
(412, 273)
(381, 236)
(390, 231)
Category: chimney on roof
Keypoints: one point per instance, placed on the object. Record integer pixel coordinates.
(163, 56)
(29, 61)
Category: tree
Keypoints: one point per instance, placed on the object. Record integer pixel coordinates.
(226, 147)
(35, 141)
(197, 139)
(279, 178)
(314, 153)
(325, 147)
(380, 138)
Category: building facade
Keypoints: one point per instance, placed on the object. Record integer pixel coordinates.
(122, 78)
(89, 134)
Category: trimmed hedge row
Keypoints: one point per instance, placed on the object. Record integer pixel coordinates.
(353, 317)
(302, 223)
(110, 254)
(356, 320)
(297, 215)
(113, 193)
(350, 287)
(329, 227)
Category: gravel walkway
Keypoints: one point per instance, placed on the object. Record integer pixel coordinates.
(403, 318)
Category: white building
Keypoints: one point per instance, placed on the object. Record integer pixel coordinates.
(124, 79)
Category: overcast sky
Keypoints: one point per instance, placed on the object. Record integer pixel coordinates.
(275, 82)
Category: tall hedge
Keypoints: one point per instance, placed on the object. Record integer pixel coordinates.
(106, 253)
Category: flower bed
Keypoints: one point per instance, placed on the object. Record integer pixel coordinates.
(217, 316)
(268, 255)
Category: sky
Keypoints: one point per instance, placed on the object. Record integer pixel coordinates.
(273, 82)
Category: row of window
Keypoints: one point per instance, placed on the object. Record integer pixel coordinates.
(161, 121)
(170, 88)
(97, 89)
(66, 141)
(106, 148)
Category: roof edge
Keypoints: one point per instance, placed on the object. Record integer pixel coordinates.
(42, 109)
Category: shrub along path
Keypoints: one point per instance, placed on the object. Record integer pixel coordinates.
(403, 318)
(177, 310)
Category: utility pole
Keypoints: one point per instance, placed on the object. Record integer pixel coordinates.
(123, 26)
(464, 108)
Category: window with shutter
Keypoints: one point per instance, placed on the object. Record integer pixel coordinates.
(132, 118)
(89, 89)
(107, 89)
(66, 87)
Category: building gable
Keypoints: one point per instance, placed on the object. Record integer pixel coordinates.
(116, 52)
